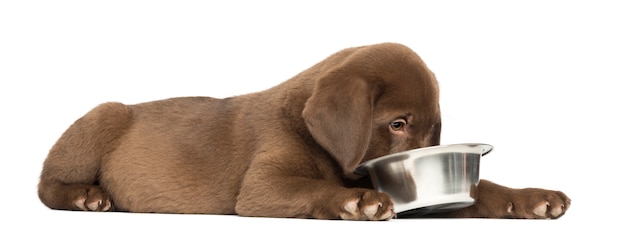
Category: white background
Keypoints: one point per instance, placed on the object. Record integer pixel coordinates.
(542, 81)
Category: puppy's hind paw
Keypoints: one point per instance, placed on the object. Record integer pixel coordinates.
(90, 198)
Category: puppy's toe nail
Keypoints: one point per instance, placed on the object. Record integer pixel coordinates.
(541, 209)
(370, 211)
(509, 208)
(107, 206)
(557, 211)
(351, 207)
(94, 205)
(387, 215)
(80, 203)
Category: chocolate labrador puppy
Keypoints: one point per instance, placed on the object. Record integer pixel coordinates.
(289, 151)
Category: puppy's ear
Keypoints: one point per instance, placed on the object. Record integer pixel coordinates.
(339, 116)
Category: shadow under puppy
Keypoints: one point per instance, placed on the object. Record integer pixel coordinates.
(288, 151)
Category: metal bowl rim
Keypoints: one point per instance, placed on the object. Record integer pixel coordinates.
(428, 151)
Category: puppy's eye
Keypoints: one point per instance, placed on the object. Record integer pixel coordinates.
(397, 124)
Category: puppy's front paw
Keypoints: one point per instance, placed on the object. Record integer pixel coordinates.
(367, 205)
(533, 203)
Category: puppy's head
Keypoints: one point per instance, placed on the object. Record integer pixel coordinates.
(378, 100)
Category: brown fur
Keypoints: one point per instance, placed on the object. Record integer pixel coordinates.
(288, 151)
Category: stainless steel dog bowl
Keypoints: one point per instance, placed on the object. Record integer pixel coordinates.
(427, 180)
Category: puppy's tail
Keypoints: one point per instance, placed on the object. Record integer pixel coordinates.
(71, 170)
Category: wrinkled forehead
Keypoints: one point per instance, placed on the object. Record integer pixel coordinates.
(409, 102)
(417, 94)
(418, 84)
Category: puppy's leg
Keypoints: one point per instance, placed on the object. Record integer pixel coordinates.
(69, 179)
(297, 190)
(496, 201)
